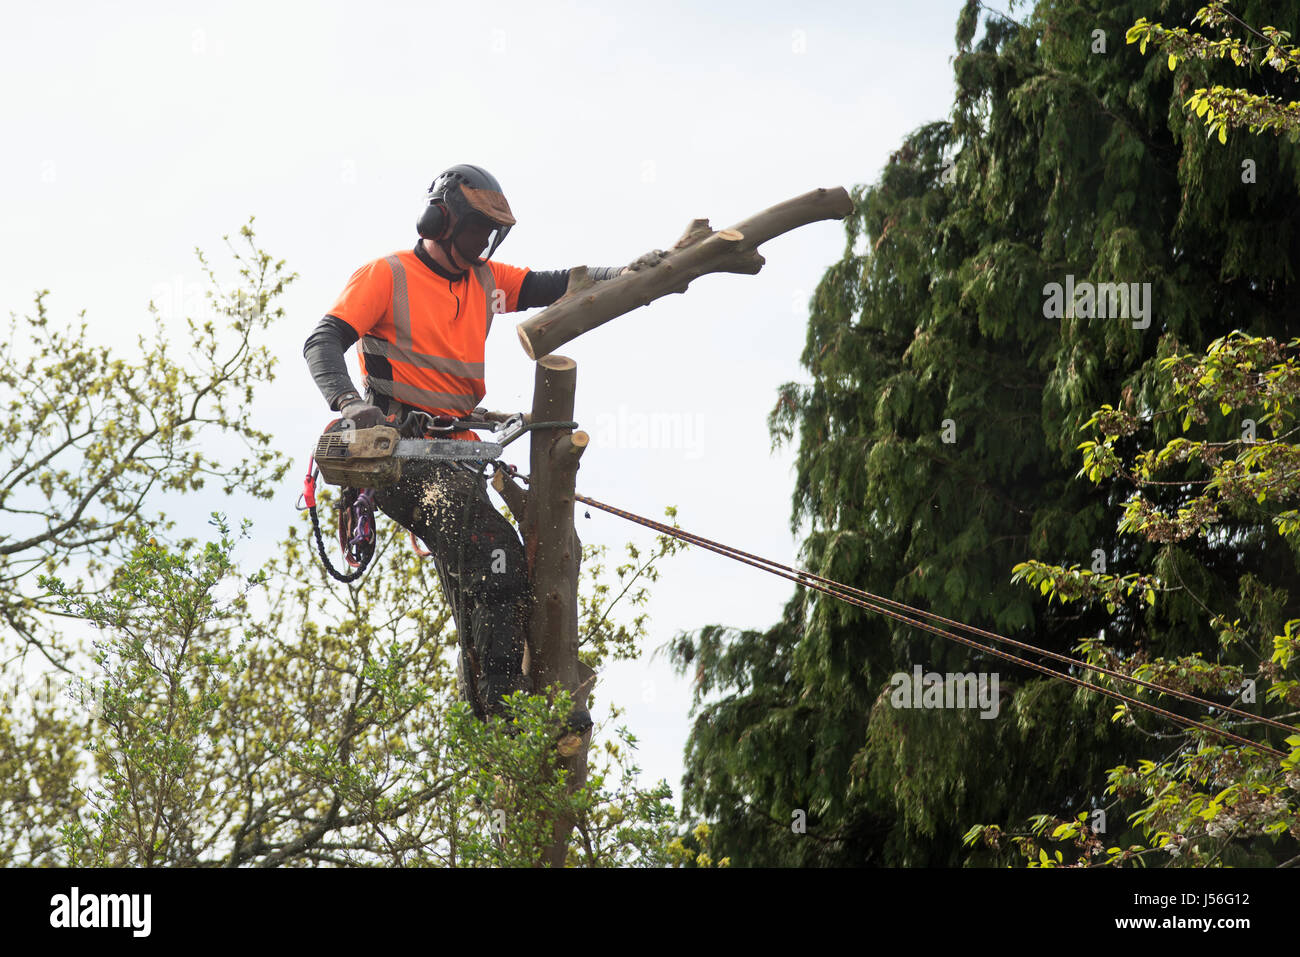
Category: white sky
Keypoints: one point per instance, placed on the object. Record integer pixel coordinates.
(135, 132)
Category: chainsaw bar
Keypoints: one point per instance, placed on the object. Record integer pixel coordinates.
(372, 458)
(448, 450)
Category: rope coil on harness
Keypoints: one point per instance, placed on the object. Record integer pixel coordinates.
(360, 545)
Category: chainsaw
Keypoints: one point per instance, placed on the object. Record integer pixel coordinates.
(374, 457)
(363, 460)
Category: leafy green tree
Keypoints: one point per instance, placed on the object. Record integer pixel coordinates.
(42, 753)
(259, 720)
(937, 450)
(1205, 801)
(1208, 803)
(270, 720)
(90, 436)
(604, 636)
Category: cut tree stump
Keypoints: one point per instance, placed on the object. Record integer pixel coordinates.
(545, 514)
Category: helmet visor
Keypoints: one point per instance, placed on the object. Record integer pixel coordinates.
(476, 238)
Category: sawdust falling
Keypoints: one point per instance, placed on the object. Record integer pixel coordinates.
(434, 496)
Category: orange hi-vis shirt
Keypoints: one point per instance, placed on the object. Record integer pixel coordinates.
(423, 335)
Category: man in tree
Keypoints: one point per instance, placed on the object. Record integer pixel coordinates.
(422, 317)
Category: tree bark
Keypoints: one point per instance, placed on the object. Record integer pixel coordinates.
(587, 304)
(554, 555)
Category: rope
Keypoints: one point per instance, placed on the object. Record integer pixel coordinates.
(535, 426)
(320, 547)
(365, 549)
(851, 595)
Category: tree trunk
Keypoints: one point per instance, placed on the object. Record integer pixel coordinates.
(545, 515)
(587, 304)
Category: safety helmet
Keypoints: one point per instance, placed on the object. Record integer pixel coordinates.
(460, 198)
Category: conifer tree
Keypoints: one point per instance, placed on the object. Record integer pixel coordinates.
(973, 324)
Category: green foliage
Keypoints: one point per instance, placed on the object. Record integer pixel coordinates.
(937, 438)
(604, 638)
(41, 756)
(1205, 803)
(1220, 107)
(692, 850)
(162, 684)
(90, 435)
(267, 720)
(508, 776)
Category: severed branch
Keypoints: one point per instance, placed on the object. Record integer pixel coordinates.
(513, 493)
(587, 304)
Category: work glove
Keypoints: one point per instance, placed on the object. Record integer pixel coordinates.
(361, 413)
(653, 258)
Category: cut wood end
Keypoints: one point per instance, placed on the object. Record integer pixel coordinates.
(569, 745)
(842, 199)
(523, 341)
(570, 447)
(557, 363)
(731, 235)
(499, 481)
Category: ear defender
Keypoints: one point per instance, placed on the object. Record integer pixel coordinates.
(433, 220)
